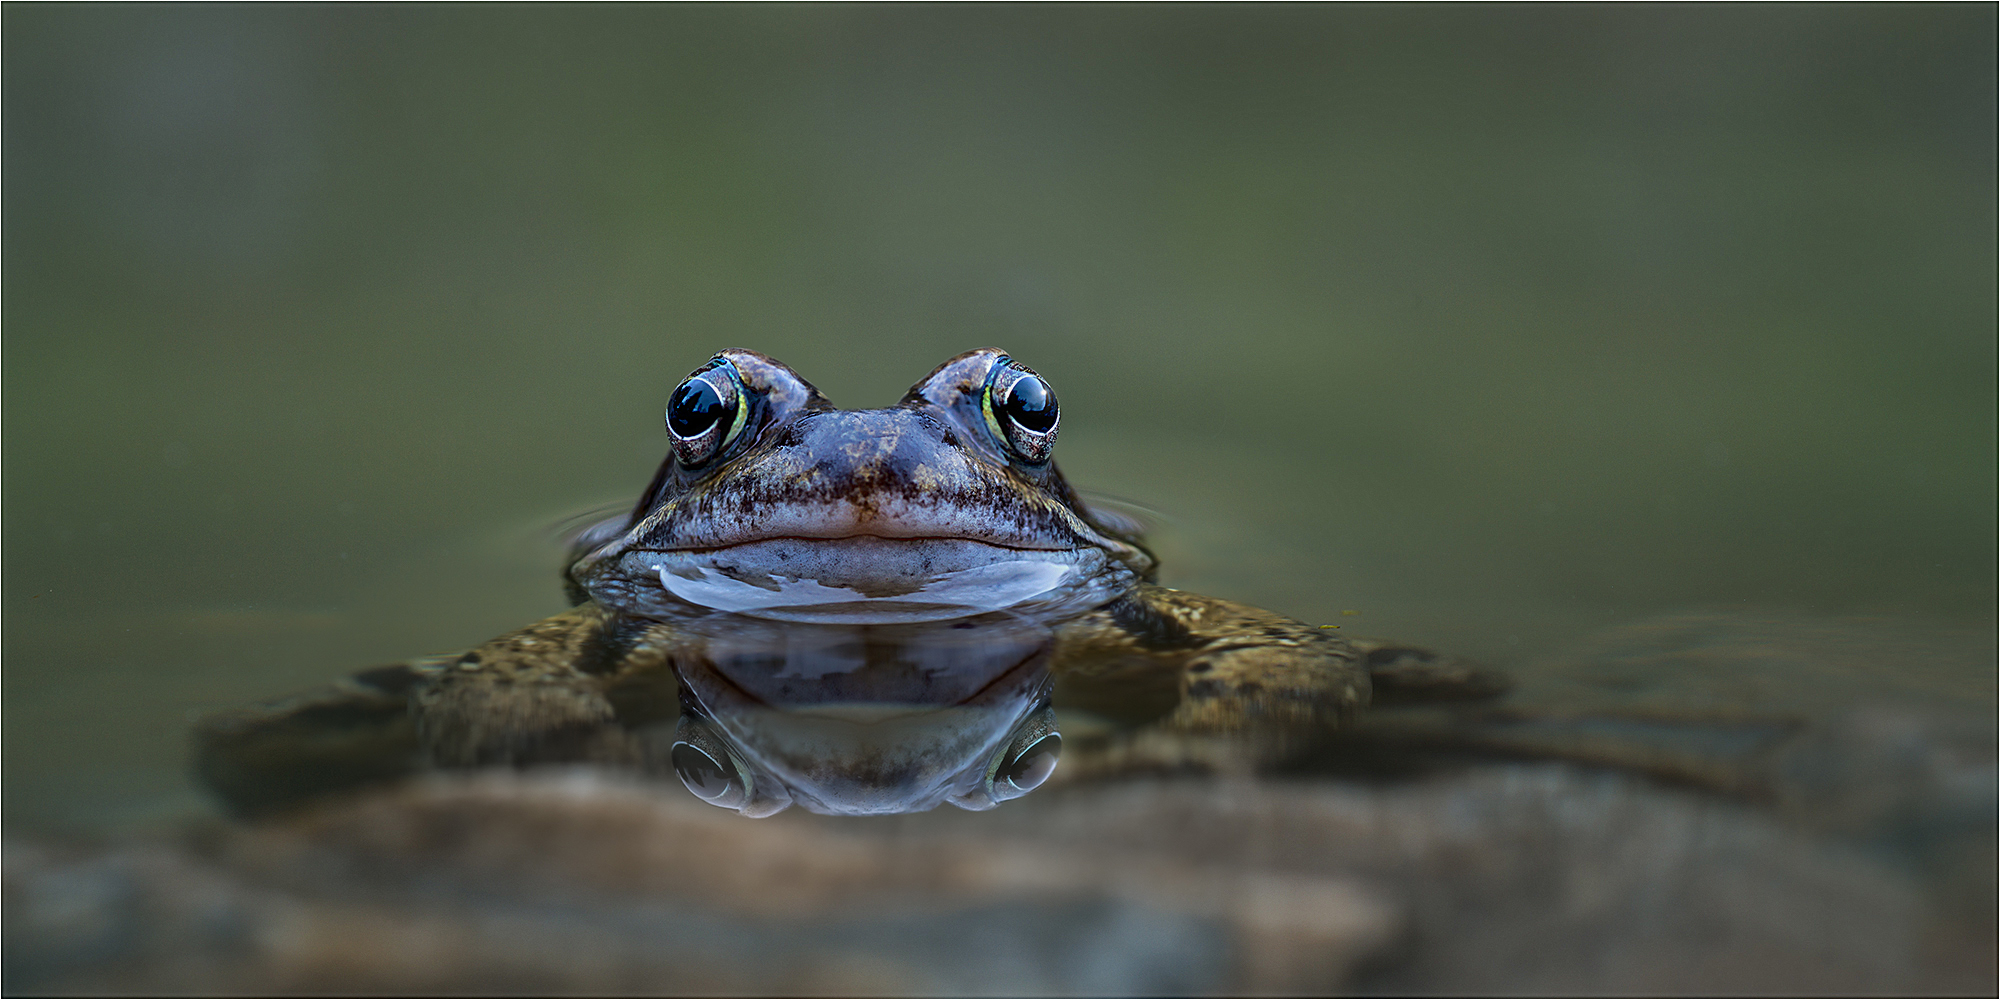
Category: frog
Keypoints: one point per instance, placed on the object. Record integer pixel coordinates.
(1410, 815)
(776, 513)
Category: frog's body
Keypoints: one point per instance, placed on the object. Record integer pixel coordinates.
(777, 506)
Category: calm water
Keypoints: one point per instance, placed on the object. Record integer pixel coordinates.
(1493, 326)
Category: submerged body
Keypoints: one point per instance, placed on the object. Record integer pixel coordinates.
(850, 550)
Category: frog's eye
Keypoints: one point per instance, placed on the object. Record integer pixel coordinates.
(1028, 760)
(1021, 410)
(706, 413)
(1025, 771)
(707, 767)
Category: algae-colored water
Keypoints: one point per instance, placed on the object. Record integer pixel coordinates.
(1494, 326)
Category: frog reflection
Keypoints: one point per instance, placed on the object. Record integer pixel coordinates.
(862, 720)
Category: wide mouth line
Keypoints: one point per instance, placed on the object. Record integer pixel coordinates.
(855, 537)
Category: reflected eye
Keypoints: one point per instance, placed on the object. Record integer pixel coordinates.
(705, 413)
(1033, 766)
(706, 768)
(1028, 760)
(709, 779)
(1021, 409)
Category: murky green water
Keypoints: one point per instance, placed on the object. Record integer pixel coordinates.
(1494, 326)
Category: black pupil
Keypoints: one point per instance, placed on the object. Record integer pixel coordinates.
(1030, 404)
(695, 408)
(699, 772)
(1034, 765)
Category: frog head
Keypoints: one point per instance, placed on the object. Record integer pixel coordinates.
(774, 503)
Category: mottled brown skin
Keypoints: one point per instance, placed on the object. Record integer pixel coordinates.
(1230, 668)
(1181, 679)
(1190, 682)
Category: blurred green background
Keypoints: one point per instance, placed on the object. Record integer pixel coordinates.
(1494, 325)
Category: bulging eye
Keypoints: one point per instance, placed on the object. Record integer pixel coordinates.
(705, 414)
(707, 768)
(1021, 410)
(1032, 766)
(1028, 760)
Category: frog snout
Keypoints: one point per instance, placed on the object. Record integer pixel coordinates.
(898, 450)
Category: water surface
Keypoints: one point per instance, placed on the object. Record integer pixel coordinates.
(1482, 329)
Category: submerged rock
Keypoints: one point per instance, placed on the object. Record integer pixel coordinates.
(1529, 878)
(1691, 805)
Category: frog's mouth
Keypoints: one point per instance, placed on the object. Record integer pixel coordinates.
(996, 517)
(871, 578)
